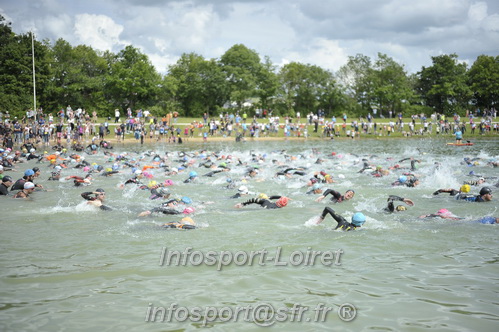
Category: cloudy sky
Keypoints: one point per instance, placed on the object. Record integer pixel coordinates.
(318, 32)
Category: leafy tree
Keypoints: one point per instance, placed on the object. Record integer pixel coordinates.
(356, 77)
(132, 81)
(242, 67)
(267, 84)
(78, 77)
(306, 88)
(443, 85)
(391, 85)
(483, 78)
(201, 84)
(16, 70)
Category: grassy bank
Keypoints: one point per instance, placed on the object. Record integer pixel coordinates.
(304, 128)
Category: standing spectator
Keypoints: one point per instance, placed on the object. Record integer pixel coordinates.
(116, 116)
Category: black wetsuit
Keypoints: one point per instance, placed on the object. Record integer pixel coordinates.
(470, 198)
(337, 197)
(452, 192)
(265, 203)
(210, 174)
(55, 176)
(342, 223)
(19, 185)
(190, 179)
(134, 180)
(391, 208)
(3, 189)
(296, 171)
(165, 210)
(178, 225)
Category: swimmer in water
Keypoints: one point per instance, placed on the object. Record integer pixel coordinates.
(56, 174)
(241, 191)
(392, 208)
(358, 219)
(484, 196)
(192, 177)
(184, 223)
(323, 177)
(288, 172)
(465, 188)
(80, 181)
(266, 203)
(29, 187)
(29, 176)
(171, 206)
(316, 189)
(159, 192)
(97, 199)
(442, 213)
(337, 197)
(478, 182)
(446, 214)
(413, 162)
(409, 180)
(4, 186)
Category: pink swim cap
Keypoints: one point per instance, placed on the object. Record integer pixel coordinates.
(168, 182)
(86, 169)
(188, 210)
(444, 212)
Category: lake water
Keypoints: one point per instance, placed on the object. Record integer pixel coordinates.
(67, 266)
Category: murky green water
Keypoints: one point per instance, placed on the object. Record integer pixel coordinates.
(68, 267)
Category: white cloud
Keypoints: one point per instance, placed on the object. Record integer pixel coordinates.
(320, 32)
(99, 31)
(321, 52)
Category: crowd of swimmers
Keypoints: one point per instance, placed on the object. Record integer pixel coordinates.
(143, 167)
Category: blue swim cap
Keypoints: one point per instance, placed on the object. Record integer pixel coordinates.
(229, 180)
(186, 200)
(29, 172)
(402, 178)
(192, 174)
(316, 186)
(358, 219)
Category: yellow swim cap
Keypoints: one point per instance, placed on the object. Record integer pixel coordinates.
(263, 196)
(187, 220)
(400, 208)
(465, 188)
(152, 184)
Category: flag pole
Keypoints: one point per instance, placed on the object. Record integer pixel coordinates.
(34, 80)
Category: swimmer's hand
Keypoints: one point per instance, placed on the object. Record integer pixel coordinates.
(145, 213)
(238, 205)
(319, 220)
(408, 202)
(320, 198)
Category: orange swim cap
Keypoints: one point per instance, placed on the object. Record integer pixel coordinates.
(282, 202)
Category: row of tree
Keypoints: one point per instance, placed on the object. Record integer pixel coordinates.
(83, 77)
